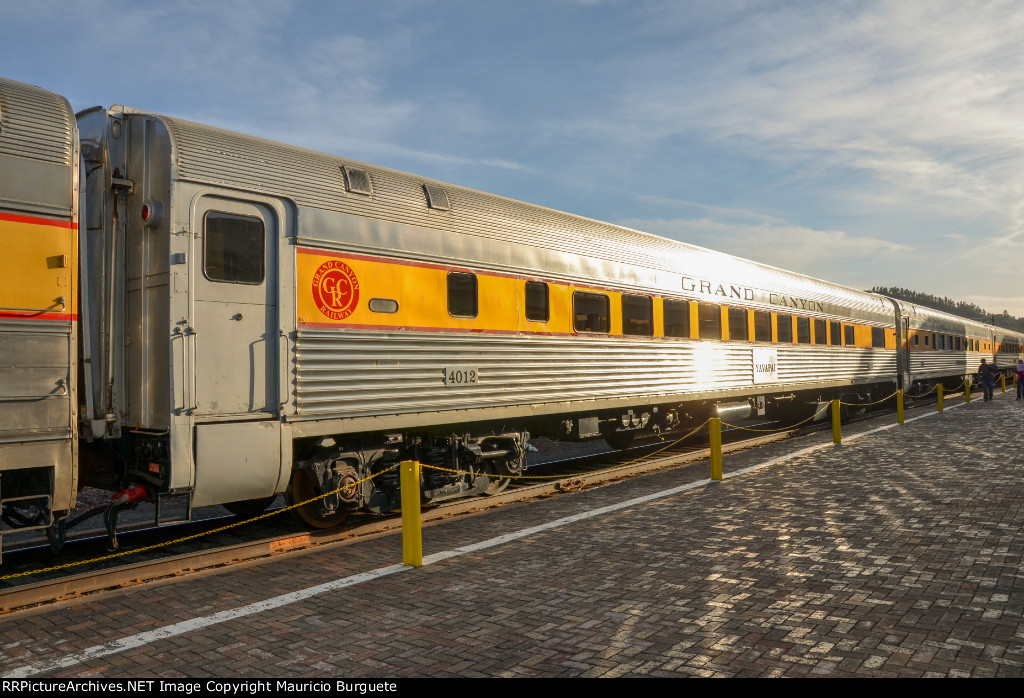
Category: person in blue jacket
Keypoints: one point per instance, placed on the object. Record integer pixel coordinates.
(987, 373)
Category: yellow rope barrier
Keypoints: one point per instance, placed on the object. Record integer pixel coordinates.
(869, 404)
(558, 477)
(771, 431)
(268, 514)
(135, 551)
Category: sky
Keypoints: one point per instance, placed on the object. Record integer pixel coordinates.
(866, 143)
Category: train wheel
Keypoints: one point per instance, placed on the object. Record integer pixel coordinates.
(249, 508)
(501, 472)
(497, 485)
(301, 488)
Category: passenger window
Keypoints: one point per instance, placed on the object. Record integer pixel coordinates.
(233, 248)
(878, 337)
(917, 340)
(537, 308)
(819, 331)
(677, 318)
(762, 326)
(738, 324)
(833, 333)
(926, 340)
(850, 336)
(637, 316)
(709, 318)
(784, 323)
(591, 312)
(803, 330)
(462, 294)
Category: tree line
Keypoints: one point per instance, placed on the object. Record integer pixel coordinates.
(961, 308)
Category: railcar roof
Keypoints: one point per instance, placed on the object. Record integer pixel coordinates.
(314, 179)
(35, 124)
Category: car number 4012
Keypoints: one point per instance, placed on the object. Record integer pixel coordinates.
(460, 376)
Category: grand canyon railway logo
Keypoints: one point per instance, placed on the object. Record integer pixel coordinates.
(335, 289)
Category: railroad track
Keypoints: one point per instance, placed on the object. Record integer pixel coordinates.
(254, 542)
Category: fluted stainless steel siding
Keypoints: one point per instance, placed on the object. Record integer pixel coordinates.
(937, 364)
(353, 374)
(34, 364)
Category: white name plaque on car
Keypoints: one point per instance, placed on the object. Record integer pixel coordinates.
(766, 367)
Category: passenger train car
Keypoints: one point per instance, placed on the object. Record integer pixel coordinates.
(197, 316)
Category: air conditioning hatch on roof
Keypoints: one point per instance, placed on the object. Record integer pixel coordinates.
(357, 180)
(437, 198)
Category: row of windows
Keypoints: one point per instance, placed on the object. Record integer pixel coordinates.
(233, 252)
(947, 342)
(592, 313)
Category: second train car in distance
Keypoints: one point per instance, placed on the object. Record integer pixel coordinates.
(259, 319)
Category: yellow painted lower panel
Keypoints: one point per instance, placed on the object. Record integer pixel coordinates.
(328, 281)
(38, 265)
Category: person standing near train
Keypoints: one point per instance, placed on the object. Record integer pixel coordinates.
(1020, 379)
(987, 373)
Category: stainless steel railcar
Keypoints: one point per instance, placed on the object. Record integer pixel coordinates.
(260, 319)
(942, 348)
(39, 208)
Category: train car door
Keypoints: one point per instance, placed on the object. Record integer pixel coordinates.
(903, 342)
(235, 350)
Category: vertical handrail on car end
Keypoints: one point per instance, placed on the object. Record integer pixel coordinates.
(194, 363)
(283, 372)
(177, 335)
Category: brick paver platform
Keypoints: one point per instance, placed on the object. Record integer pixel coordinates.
(896, 554)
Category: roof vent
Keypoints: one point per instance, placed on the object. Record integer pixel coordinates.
(357, 180)
(436, 198)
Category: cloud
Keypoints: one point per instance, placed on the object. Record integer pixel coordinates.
(923, 98)
(865, 142)
(790, 247)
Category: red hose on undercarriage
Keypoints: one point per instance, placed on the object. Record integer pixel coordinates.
(120, 500)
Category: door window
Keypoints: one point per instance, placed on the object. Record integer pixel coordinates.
(234, 248)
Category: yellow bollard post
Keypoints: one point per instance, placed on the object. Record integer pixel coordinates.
(899, 406)
(938, 390)
(837, 430)
(1002, 379)
(715, 430)
(967, 390)
(412, 524)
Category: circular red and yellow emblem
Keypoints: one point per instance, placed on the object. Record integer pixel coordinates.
(335, 289)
